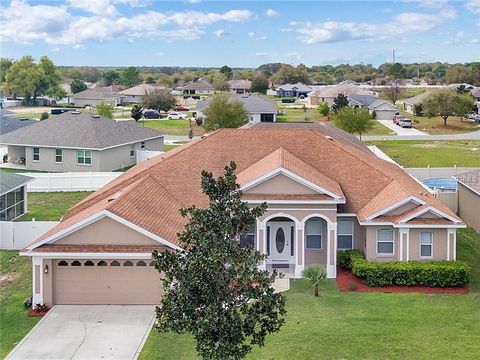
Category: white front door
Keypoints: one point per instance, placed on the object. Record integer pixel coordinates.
(280, 242)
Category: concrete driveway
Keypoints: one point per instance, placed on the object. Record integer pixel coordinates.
(87, 332)
(401, 131)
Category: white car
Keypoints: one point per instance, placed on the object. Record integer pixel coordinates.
(176, 116)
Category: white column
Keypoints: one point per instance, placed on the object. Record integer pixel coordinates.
(332, 243)
(263, 250)
(403, 231)
(449, 244)
(37, 294)
(299, 240)
(454, 244)
(407, 256)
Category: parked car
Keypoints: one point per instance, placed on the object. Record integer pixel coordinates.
(176, 116)
(405, 123)
(397, 118)
(474, 117)
(181, 109)
(151, 114)
(59, 111)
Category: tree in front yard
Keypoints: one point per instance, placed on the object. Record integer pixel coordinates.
(214, 288)
(323, 108)
(160, 99)
(104, 109)
(339, 102)
(355, 121)
(137, 112)
(314, 274)
(465, 105)
(445, 103)
(224, 113)
(77, 86)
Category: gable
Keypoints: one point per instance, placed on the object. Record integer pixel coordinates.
(105, 231)
(385, 106)
(280, 184)
(402, 209)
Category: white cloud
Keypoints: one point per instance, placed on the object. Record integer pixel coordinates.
(159, 54)
(431, 4)
(261, 54)
(194, 1)
(221, 33)
(271, 12)
(251, 34)
(262, 38)
(473, 6)
(97, 7)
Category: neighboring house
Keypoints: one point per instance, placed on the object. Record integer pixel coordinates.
(13, 195)
(383, 109)
(10, 122)
(468, 193)
(324, 192)
(198, 87)
(476, 95)
(239, 86)
(329, 93)
(93, 97)
(294, 90)
(135, 94)
(79, 141)
(409, 104)
(259, 108)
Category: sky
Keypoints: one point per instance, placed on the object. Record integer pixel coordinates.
(239, 33)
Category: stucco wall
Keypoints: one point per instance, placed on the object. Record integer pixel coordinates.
(469, 206)
(69, 163)
(439, 250)
(371, 244)
(280, 184)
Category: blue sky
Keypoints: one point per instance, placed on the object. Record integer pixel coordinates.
(239, 33)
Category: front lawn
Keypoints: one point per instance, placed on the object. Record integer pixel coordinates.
(50, 206)
(462, 153)
(358, 325)
(174, 127)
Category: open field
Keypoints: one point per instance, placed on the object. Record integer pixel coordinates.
(462, 153)
(174, 127)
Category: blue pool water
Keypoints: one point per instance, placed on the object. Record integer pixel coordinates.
(443, 184)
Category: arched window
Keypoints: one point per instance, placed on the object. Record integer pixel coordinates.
(313, 233)
(114, 263)
(88, 263)
(152, 263)
(128, 263)
(76, 263)
(62, 263)
(102, 263)
(141, 263)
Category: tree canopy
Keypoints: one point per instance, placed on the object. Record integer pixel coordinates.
(159, 99)
(259, 84)
(222, 112)
(214, 288)
(445, 103)
(130, 76)
(77, 86)
(226, 71)
(354, 120)
(339, 102)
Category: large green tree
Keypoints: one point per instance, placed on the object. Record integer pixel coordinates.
(354, 120)
(339, 102)
(220, 82)
(130, 76)
(214, 288)
(445, 103)
(5, 64)
(77, 86)
(105, 109)
(259, 84)
(227, 71)
(159, 99)
(222, 112)
(110, 77)
(396, 71)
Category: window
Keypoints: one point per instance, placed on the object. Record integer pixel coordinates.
(84, 157)
(426, 244)
(88, 263)
(62, 263)
(313, 234)
(248, 239)
(102, 263)
(114, 263)
(12, 204)
(345, 235)
(132, 150)
(152, 263)
(36, 154)
(58, 156)
(128, 263)
(141, 263)
(76, 263)
(142, 145)
(385, 242)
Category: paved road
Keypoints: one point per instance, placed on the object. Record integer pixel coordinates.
(81, 332)
(401, 131)
(466, 136)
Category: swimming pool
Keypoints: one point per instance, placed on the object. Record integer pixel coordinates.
(442, 184)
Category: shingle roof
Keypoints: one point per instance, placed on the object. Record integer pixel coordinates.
(96, 94)
(253, 103)
(345, 89)
(379, 102)
(141, 89)
(79, 130)
(471, 179)
(198, 85)
(364, 100)
(10, 122)
(298, 87)
(417, 99)
(10, 181)
(150, 194)
(240, 84)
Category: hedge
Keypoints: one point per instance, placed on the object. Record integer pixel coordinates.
(344, 257)
(411, 273)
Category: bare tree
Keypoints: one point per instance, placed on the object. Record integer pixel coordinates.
(393, 90)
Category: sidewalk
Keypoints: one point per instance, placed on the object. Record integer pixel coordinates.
(401, 131)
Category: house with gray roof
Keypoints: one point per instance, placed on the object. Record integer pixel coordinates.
(9, 122)
(81, 142)
(295, 90)
(409, 104)
(95, 96)
(198, 87)
(13, 195)
(135, 94)
(259, 108)
(384, 110)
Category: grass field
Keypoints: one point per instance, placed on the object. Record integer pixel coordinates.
(462, 153)
(52, 205)
(174, 127)
(363, 325)
(405, 94)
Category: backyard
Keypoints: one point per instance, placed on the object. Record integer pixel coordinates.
(173, 127)
(413, 153)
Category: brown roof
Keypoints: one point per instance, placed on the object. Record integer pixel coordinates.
(198, 85)
(417, 99)
(285, 197)
(150, 194)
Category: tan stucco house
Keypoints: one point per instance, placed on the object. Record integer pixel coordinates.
(325, 191)
(79, 142)
(468, 193)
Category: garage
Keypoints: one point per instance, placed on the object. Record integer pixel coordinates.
(105, 282)
(385, 114)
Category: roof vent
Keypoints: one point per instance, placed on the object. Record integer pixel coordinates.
(75, 112)
(329, 138)
(95, 116)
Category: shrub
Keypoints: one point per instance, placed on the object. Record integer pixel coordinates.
(373, 115)
(344, 257)
(44, 116)
(28, 302)
(411, 273)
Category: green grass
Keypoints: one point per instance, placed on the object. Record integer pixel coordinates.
(51, 206)
(29, 115)
(13, 170)
(363, 325)
(174, 127)
(462, 153)
(15, 286)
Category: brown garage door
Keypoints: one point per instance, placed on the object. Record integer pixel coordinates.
(106, 282)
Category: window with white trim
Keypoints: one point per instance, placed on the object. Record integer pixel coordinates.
(36, 154)
(58, 156)
(345, 235)
(385, 242)
(132, 150)
(313, 234)
(248, 239)
(84, 157)
(426, 244)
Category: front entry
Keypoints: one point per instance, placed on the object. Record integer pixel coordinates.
(280, 242)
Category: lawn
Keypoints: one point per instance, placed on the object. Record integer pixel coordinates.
(462, 153)
(363, 325)
(50, 206)
(174, 127)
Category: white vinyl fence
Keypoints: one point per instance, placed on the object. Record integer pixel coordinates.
(18, 235)
(143, 155)
(70, 181)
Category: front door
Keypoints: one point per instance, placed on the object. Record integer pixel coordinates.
(280, 242)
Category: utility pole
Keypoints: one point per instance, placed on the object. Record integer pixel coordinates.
(393, 56)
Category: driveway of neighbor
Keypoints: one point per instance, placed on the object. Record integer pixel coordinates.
(88, 332)
(401, 131)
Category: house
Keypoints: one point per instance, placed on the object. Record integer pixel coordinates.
(10, 122)
(409, 104)
(383, 109)
(329, 93)
(239, 86)
(79, 141)
(259, 108)
(135, 94)
(324, 193)
(293, 90)
(13, 195)
(468, 192)
(476, 95)
(93, 97)
(198, 87)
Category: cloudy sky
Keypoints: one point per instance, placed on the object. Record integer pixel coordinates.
(240, 34)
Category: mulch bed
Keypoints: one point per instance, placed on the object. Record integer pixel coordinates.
(36, 313)
(345, 281)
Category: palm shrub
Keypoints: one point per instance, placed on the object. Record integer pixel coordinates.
(314, 274)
